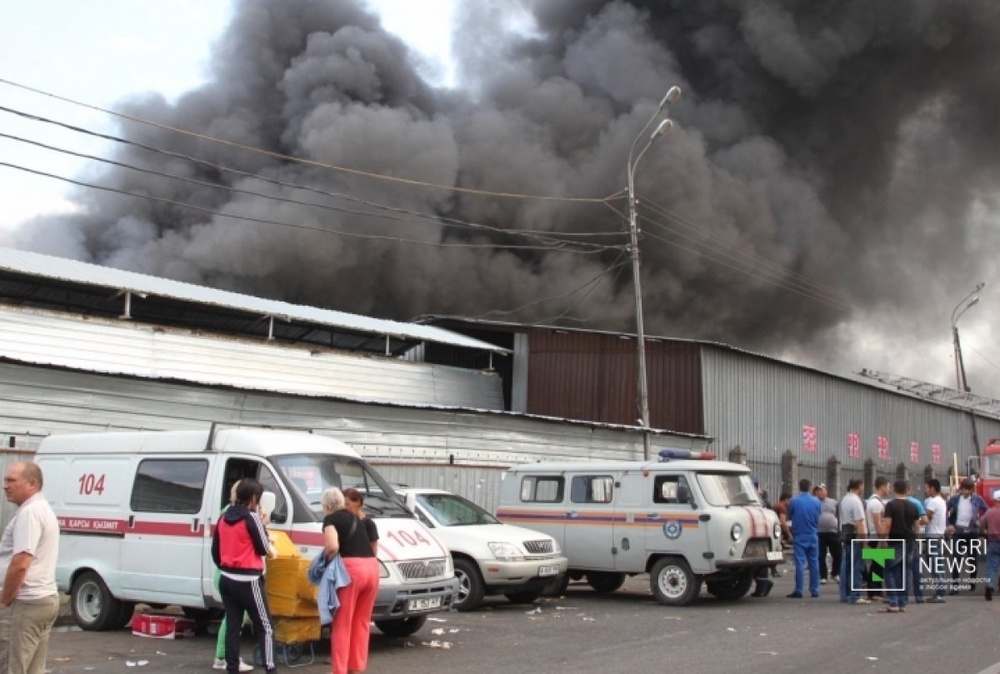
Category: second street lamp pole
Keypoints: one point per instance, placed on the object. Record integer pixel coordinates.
(643, 385)
(960, 381)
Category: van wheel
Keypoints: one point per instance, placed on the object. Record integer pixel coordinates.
(470, 585)
(125, 615)
(605, 582)
(557, 587)
(730, 589)
(93, 606)
(401, 628)
(673, 583)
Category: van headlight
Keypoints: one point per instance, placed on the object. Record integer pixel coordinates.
(557, 550)
(736, 533)
(506, 552)
(776, 530)
(383, 570)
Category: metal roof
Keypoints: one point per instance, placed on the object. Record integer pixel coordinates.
(910, 388)
(52, 282)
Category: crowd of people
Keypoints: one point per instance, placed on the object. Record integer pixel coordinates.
(890, 545)
(346, 569)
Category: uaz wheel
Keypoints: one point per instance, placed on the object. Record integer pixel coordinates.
(673, 583)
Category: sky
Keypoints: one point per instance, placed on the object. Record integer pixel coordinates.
(876, 261)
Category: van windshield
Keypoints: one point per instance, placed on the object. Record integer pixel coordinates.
(725, 489)
(307, 476)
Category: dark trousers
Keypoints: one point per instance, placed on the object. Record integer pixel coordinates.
(874, 586)
(969, 562)
(246, 595)
(829, 542)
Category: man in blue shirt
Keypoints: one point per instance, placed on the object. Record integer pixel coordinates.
(803, 513)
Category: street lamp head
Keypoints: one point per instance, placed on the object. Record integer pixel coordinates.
(673, 93)
(664, 127)
(980, 286)
(974, 302)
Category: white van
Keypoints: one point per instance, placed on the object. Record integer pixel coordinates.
(683, 522)
(137, 510)
(490, 557)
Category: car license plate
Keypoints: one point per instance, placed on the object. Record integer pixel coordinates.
(775, 556)
(425, 603)
(548, 571)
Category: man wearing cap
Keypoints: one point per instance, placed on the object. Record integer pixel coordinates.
(803, 512)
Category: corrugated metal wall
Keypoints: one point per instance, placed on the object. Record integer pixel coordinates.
(476, 483)
(143, 350)
(762, 405)
(580, 375)
(38, 401)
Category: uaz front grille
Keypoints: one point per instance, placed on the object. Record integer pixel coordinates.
(541, 547)
(425, 568)
(757, 547)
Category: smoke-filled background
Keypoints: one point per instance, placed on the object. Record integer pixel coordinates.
(827, 195)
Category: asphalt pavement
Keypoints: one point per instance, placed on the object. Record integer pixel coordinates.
(587, 633)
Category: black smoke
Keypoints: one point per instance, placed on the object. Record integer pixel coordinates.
(830, 178)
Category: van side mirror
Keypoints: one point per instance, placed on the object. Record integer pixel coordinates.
(411, 502)
(683, 494)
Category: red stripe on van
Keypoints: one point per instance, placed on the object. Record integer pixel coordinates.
(104, 526)
(116, 527)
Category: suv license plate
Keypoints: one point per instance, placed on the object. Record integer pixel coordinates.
(775, 556)
(424, 604)
(548, 571)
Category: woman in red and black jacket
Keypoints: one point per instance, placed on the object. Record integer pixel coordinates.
(239, 546)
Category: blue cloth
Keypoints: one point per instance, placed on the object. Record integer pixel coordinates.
(921, 510)
(803, 513)
(894, 576)
(806, 549)
(850, 570)
(330, 577)
(978, 508)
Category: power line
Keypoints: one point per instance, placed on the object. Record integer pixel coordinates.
(549, 240)
(593, 281)
(756, 266)
(541, 235)
(265, 221)
(300, 160)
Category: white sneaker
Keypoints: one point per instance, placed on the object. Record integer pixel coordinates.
(221, 665)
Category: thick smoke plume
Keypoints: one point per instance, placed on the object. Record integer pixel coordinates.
(829, 186)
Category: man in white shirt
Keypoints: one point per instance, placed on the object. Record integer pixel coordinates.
(852, 526)
(874, 507)
(29, 602)
(937, 514)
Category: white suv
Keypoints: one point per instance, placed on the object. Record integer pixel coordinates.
(490, 557)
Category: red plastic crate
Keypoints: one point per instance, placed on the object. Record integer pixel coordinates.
(162, 626)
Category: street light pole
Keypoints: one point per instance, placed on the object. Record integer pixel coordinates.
(960, 381)
(643, 385)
